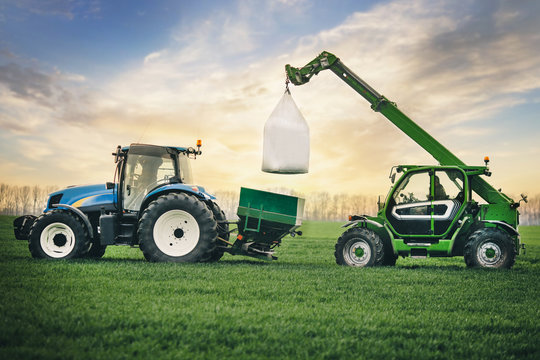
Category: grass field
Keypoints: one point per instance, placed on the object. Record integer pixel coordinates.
(301, 306)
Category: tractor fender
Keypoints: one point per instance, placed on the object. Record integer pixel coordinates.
(80, 214)
(363, 220)
(197, 191)
(508, 228)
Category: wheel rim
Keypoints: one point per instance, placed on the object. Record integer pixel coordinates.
(489, 254)
(57, 240)
(176, 233)
(358, 253)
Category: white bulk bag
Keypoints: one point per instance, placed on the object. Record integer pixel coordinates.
(286, 139)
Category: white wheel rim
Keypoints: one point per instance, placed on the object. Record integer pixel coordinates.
(489, 254)
(57, 240)
(358, 253)
(176, 233)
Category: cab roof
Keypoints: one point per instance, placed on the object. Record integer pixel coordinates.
(178, 148)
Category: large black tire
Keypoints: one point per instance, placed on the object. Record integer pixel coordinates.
(490, 248)
(389, 258)
(96, 250)
(177, 228)
(223, 232)
(359, 247)
(58, 234)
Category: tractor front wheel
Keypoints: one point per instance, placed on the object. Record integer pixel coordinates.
(58, 234)
(359, 247)
(490, 248)
(177, 228)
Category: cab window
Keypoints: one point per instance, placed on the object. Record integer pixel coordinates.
(413, 189)
(450, 185)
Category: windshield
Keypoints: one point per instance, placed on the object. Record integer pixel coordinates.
(145, 170)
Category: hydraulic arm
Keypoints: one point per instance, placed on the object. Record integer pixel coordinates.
(379, 103)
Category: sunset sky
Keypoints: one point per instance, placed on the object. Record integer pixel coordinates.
(78, 78)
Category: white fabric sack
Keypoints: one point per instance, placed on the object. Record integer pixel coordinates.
(286, 139)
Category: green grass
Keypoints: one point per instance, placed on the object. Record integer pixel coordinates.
(302, 306)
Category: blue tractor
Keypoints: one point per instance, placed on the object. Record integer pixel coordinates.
(153, 205)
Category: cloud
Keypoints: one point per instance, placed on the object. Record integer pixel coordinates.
(152, 56)
(61, 8)
(27, 83)
(34, 95)
(450, 66)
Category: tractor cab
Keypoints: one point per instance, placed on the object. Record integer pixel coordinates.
(425, 201)
(147, 167)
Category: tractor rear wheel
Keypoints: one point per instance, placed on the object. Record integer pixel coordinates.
(223, 232)
(491, 248)
(177, 228)
(359, 247)
(58, 234)
(96, 250)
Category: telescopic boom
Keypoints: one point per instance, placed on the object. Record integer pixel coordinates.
(379, 103)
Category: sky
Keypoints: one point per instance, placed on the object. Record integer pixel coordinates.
(78, 78)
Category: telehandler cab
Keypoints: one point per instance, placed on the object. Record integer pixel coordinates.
(430, 210)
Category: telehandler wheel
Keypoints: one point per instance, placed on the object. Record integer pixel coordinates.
(58, 234)
(490, 247)
(359, 247)
(177, 228)
(223, 232)
(389, 259)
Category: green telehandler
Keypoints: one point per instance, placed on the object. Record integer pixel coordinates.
(430, 210)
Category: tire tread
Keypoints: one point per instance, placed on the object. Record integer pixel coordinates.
(82, 241)
(495, 234)
(366, 234)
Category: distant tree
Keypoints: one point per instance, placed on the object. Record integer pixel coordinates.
(530, 212)
(36, 197)
(228, 202)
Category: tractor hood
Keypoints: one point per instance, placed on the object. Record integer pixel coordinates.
(95, 197)
(85, 196)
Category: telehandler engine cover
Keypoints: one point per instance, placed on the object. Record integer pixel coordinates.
(286, 140)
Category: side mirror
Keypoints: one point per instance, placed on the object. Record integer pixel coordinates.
(523, 198)
(109, 185)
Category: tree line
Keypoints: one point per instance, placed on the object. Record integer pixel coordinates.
(320, 206)
(24, 200)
